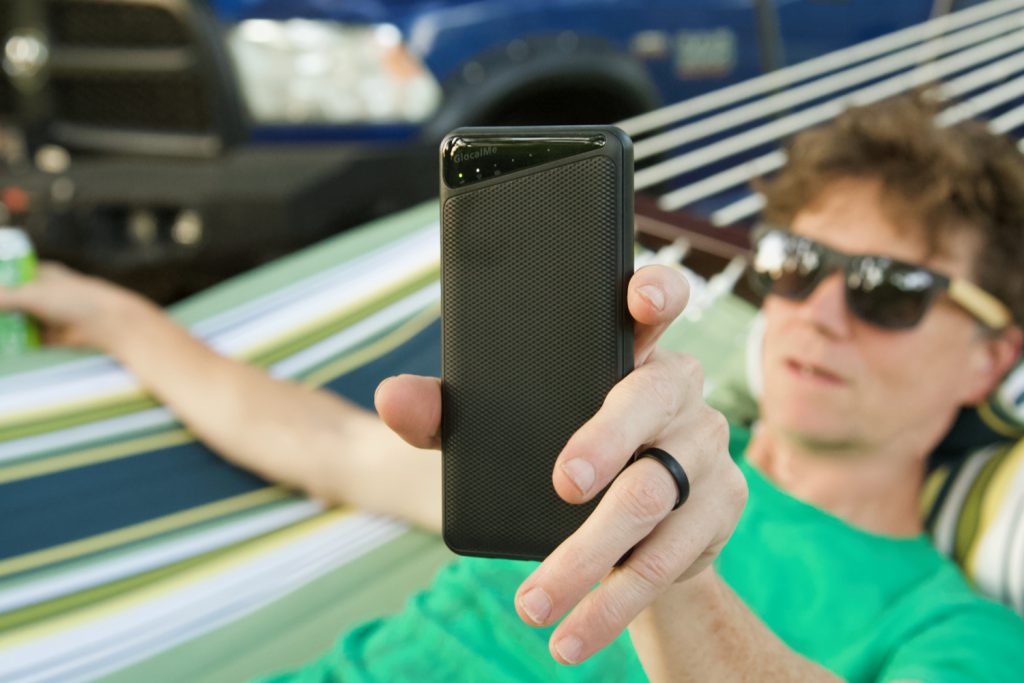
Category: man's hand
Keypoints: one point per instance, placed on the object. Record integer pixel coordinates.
(659, 404)
(74, 309)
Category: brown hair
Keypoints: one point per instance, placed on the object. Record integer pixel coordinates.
(960, 177)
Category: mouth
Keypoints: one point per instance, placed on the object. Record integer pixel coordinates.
(814, 373)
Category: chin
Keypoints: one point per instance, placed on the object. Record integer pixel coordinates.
(819, 436)
(818, 420)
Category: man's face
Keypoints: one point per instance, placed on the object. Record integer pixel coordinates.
(835, 382)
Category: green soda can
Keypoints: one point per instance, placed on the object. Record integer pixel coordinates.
(18, 332)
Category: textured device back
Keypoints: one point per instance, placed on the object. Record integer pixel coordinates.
(557, 340)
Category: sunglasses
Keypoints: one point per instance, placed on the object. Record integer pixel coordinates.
(884, 292)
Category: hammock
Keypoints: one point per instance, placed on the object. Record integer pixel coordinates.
(129, 550)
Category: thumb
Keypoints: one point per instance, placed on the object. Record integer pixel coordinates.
(42, 301)
(411, 406)
(13, 299)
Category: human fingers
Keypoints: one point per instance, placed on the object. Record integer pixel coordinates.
(635, 412)
(32, 298)
(680, 547)
(411, 406)
(656, 296)
(56, 294)
(635, 503)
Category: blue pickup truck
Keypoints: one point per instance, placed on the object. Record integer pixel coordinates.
(169, 143)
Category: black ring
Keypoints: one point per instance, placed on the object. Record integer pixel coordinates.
(674, 468)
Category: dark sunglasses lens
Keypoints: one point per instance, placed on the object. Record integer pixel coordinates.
(887, 294)
(786, 265)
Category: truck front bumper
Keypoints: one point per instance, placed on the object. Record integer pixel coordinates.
(168, 227)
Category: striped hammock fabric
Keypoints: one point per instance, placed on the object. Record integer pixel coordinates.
(130, 551)
(128, 523)
(105, 496)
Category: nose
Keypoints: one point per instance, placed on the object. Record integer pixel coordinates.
(826, 307)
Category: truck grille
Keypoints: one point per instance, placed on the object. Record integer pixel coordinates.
(143, 76)
(166, 102)
(115, 25)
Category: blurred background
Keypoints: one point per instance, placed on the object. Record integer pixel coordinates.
(168, 144)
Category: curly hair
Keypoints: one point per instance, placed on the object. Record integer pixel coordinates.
(944, 179)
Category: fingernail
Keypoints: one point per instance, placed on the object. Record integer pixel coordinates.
(581, 472)
(569, 649)
(377, 390)
(537, 605)
(654, 295)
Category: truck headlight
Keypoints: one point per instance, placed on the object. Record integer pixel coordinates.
(306, 71)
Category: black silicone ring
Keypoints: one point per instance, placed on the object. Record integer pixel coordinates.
(674, 468)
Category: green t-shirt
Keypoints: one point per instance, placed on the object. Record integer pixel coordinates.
(868, 607)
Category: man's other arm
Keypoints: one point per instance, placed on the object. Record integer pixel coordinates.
(288, 433)
(700, 630)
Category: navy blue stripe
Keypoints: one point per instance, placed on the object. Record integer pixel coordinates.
(421, 355)
(68, 506)
(75, 504)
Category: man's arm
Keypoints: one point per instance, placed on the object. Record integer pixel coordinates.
(332, 449)
(285, 432)
(700, 630)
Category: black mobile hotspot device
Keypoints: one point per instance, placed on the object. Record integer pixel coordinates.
(536, 254)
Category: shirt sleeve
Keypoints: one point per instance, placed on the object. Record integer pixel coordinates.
(985, 643)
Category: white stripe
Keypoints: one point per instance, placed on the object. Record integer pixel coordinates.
(816, 89)
(75, 368)
(752, 204)
(330, 300)
(999, 70)
(367, 279)
(813, 67)
(353, 334)
(116, 640)
(742, 173)
(43, 586)
(55, 393)
(713, 184)
(739, 209)
(1015, 561)
(227, 320)
(944, 535)
(768, 132)
(81, 436)
(411, 249)
(1007, 121)
(753, 356)
(86, 434)
(991, 563)
(983, 103)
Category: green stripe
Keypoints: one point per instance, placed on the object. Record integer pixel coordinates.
(262, 281)
(100, 411)
(303, 625)
(970, 512)
(366, 352)
(288, 270)
(62, 605)
(114, 538)
(86, 563)
(333, 326)
(93, 456)
(375, 348)
(284, 349)
(45, 357)
(999, 420)
(106, 439)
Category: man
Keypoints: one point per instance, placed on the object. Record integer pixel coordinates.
(893, 287)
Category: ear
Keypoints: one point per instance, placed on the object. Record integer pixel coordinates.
(991, 358)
